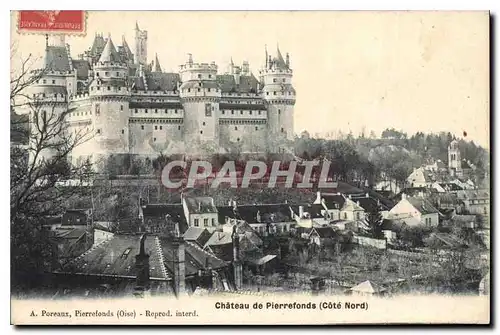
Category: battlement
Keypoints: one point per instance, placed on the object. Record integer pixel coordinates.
(109, 90)
(204, 67)
(275, 71)
(155, 93)
(79, 97)
(114, 65)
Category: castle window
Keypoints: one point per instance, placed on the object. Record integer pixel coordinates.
(97, 74)
(283, 79)
(241, 112)
(146, 110)
(142, 127)
(123, 131)
(267, 93)
(98, 131)
(205, 222)
(43, 95)
(201, 132)
(260, 112)
(235, 128)
(178, 127)
(238, 139)
(109, 88)
(199, 76)
(136, 111)
(203, 123)
(97, 109)
(213, 222)
(156, 110)
(45, 81)
(154, 139)
(106, 74)
(196, 222)
(232, 112)
(274, 80)
(250, 112)
(256, 128)
(208, 110)
(282, 130)
(199, 89)
(223, 112)
(161, 127)
(208, 89)
(189, 90)
(176, 111)
(274, 92)
(53, 81)
(156, 127)
(121, 107)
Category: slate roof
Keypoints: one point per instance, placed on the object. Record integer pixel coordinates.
(82, 68)
(333, 201)
(314, 210)
(422, 205)
(97, 45)
(198, 235)
(219, 238)
(200, 205)
(324, 232)
(174, 211)
(72, 233)
(116, 257)
(159, 81)
(109, 54)
(227, 84)
(369, 204)
(269, 213)
(56, 59)
(351, 205)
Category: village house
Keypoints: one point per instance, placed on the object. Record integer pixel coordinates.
(475, 201)
(436, 167)
(265, 219)
(161, 218)
(415, 211)
(419, 178)
(201, 212)
(340, 207)
(322, 235)
(446, 187)
(308, 216)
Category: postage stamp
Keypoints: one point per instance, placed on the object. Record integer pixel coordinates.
(52, 21)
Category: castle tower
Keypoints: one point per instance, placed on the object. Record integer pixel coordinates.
(141, 46)
(110, 98)
(48, 101)
(454, 160)
(200, 96)
(279, 96)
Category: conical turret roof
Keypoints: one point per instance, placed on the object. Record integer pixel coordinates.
(109, 54)
(280, 61)
(157, 64)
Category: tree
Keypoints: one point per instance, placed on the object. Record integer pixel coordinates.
(40, 171)
(374, 219)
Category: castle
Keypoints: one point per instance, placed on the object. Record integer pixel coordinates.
(130, 106)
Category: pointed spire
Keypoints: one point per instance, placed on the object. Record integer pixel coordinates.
(281, 61)
(157, 64)
(136, 26)
(109, 53)
(265, 48)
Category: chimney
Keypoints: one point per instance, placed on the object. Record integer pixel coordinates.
(230, 202)
(403, 196)
(318, 197)
(350, 197)
(237, 266)
(301, 211)
(179, 257)
(234, 204)
(142, 268)
(367, 195)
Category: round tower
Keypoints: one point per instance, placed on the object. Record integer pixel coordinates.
(48, 107)
(110, 96)
(200, 96)
(279, 96)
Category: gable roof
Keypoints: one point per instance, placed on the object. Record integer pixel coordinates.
(219, 238)
(333, 200)
(324, 232)
(368, 287)
(268, 213)
(422, 205)
(351, 205)
(74, 217)
(198, 235)
(200, 205)
(370, 204)
(173, 211)
(160, 81)
(116, 258)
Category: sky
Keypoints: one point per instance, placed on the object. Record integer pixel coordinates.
(414, 71)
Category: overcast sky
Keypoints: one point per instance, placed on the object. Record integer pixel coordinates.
(420, 71)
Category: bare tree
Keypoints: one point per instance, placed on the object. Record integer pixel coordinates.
(40, 169)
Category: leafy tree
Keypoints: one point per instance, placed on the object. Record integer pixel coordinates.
(374, 219)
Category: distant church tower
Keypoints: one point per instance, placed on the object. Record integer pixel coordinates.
(141, 46)
(454, 160)
(279, 96)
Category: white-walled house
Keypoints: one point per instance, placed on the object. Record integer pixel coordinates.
(419, 178)
(415, 211)
(201, 212)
